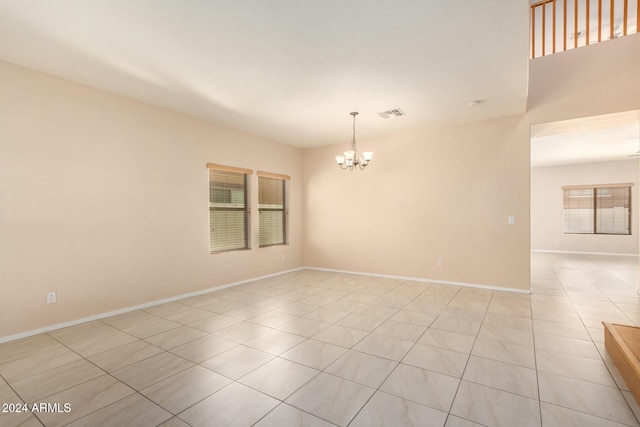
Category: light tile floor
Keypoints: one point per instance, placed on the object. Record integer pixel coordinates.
(314, 348)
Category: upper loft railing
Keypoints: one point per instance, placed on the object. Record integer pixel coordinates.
(558, 25)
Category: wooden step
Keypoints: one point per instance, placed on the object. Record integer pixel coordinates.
(623, 344)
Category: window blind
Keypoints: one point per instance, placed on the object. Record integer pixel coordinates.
(597, 209)
(273, 207)
(578, 211)
(229, 212)
(613, 210)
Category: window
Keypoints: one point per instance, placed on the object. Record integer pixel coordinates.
(597, 209)
(273, 208)
(229, 213)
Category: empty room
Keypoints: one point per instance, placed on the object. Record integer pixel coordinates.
(305, 213)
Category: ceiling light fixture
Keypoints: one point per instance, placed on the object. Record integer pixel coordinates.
(350, 160)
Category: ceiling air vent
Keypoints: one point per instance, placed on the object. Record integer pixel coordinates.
(395, 112)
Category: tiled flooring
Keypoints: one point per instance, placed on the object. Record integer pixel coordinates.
(315, 348)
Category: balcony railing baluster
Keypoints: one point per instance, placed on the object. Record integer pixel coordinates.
(620, 11)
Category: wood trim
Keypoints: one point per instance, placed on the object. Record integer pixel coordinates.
(624, 20)
(274, 175)
(575, 24)
(576, 187)
(533, 31)
(540, 3)
(599, 21)
(544, 30)
(554, 26)
(229, 168)
(611, 19)
(564, 17)
(587, 13)
(616, 340)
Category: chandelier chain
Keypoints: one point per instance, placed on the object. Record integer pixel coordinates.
(353, 140)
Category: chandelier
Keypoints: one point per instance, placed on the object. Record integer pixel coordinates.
(350, 160)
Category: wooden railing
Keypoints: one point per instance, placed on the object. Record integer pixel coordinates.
(558, 25)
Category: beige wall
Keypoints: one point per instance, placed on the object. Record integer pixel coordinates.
(547, 209)
(105, 201)
(447, 192)
(589, 81)
(438, 193)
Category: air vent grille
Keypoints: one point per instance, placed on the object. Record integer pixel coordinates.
(396, 112)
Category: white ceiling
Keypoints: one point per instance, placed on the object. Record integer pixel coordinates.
(608, 137)
(289, 70)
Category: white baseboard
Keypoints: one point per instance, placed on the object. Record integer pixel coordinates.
(229, 285)
(136, 307)
(580, 253)
(419, 279)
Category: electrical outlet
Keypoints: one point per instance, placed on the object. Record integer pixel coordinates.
(51, 298)
(512, 220)
(440, 262)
